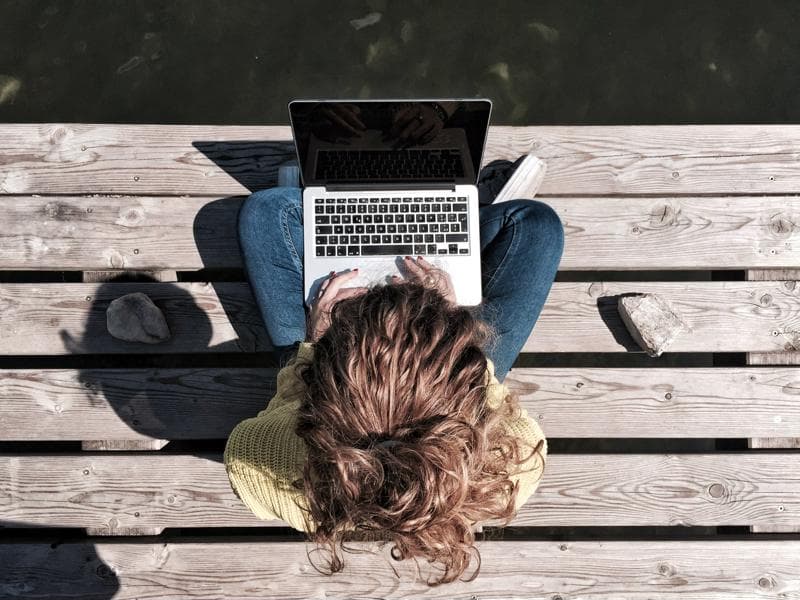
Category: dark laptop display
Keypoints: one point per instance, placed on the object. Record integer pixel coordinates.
(389, 142)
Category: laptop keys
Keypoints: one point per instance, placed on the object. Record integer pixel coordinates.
(394, 249)
(438, 226)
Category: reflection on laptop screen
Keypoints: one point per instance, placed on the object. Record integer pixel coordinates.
(373, 142)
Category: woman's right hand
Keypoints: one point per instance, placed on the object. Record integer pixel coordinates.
(330, 292)
(425, 273)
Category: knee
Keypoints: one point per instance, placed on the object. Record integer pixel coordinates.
(261, 210)
(542, 220)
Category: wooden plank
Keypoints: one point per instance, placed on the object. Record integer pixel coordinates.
(130, 404)
(101, 232)
(156, 233)
(635, 570)
(71, 158)
(69, 318)
(110, 493)
(776, 358)
(147, 404)
(726, 316)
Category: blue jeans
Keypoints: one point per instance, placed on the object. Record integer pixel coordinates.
(521, 246)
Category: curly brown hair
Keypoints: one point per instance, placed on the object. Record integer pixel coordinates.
(401, 443)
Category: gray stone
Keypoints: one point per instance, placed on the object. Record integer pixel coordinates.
(134, 318)
(652, 321)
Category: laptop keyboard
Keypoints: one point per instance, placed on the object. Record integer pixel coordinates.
(391, 226)
(424, 163)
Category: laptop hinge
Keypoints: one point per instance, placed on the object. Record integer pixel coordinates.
(348, 187)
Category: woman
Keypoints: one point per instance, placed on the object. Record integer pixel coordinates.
(390, 419)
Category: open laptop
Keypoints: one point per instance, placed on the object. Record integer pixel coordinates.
(389, 178)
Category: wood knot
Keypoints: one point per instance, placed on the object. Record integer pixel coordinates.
(663, 216)
(596, 289)
(58, 134)
(716, 490)
(130, 216)
(766, 299)
(666, 569)
(103, 571)
(114, 259)
(781, 226)
(790, 285)
(766, 582)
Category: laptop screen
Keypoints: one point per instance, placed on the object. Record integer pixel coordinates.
(373, 142)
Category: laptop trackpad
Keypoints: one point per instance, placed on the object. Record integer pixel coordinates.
(374, 271)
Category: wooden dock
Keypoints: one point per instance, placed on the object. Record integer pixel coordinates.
(111, 475)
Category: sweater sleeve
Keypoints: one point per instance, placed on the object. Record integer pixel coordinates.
(263, 456)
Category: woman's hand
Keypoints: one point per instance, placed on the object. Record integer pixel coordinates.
(337, 122)
(330, 292)
(417, 123)
(424, 272)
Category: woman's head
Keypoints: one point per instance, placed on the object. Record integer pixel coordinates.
(400, 439)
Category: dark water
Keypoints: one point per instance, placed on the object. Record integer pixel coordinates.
(222, 61)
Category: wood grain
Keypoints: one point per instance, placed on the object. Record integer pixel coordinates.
(112, 493)
(118, 233)
(776, 358)
(206, 403)
(156, 233)
(530, 570)
(69, 318)
(72, 158)
(130, 404)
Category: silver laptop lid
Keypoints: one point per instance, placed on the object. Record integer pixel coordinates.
(374, 143)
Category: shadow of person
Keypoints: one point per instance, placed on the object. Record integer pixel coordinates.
(33, 568)
(254, 164)
(208, 325)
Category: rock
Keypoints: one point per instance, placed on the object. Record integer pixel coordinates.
(652, 321)
(134, 318)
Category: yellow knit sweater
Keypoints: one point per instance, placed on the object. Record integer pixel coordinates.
(263, 455)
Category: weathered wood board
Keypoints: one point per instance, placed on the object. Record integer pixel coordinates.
(109, 493)
(592, 570)
(206, 403)
(179, 233)
(727, 316)
(70, 158)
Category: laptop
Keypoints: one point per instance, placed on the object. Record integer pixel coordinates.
(388, 178)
